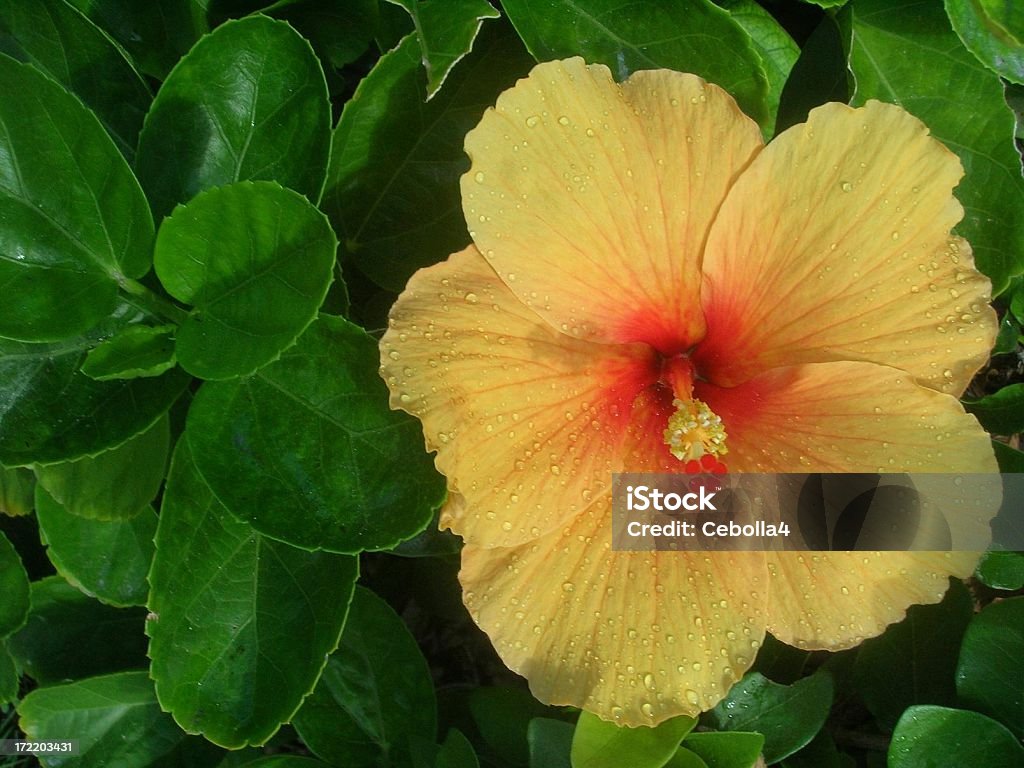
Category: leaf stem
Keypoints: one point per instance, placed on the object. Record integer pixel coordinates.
(153, 302)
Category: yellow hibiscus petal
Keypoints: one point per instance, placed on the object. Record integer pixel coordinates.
(593, 200)
(835, 245)
(518, 413)
(635, 637)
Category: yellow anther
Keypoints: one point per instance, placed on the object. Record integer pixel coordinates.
(695, 430)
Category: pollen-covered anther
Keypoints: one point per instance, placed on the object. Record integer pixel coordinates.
(694, 431)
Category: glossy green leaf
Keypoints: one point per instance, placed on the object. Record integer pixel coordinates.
(789, 716)
(735, 749)
(686, 35)
(993, 30)
(456, 752)
(1009, 459)
(63, 43)
(445, 33)
(138, 350)
(927, 641)
(937, 737)
(780, 662)
(393, 187)
(114, 485)
(821, 74)
(156, 33)
(241, 625)
(17, 487)
(117, 722)
(69, 635)
(375, 700)
(989, 675)
(106, 560)
(1009, 332)
(64, 247)
(820, 753)
(306, 450)
(684, 758)
(255, 261)
(893, 58)
(8, 676)
(827, 3)
(248, 101)
(1001, 413)
(340, 32)
(598, 743)
(503, 715)
(284, 761)
(14, 588)
(1001, 570)
(550, 742)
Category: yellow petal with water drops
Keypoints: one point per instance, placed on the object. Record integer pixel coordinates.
(526, 421)
(635, 637)
(593, 200)
(835, 245)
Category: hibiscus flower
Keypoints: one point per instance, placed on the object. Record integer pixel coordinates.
(649, 285)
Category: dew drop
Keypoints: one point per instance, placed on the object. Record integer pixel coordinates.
(691, 696)
(846, 186)
(531, 121)
(472, 298)
(649, 681)
(563, 120)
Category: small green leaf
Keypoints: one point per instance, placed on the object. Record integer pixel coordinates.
(8, 676)
(503, 715)
(735, 749)
(249, 101)
(240, 625)
(14, 587)
(137, 351)
(550, 742)
(17, 487)
(117, 722)
(598, 743)
(69, 635)
(937, 737)
(1009, 332)
(114, 485)
(1009, 459)
(684, 758)
(306, 449)
(281, 761)
(456, 752)
(375, 700)
(445, 32)
(1001, 413)
(789, 716)
(255, 260)
(1001, 570)
(51, 412)
(928, 641)
(820, 753)
(393, 187)
(73, 220)
(106, 560)
(686, 35)
(993, 30)
(894, 59)
(989, 675)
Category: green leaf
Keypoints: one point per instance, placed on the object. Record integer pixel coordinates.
(136, 351)
(503, 715)
(1001, 413)
(59, 40)
(306, 450)
(820, 753)
(726, 750)
(117, 722)
(777, 50)
(789, 716)
(598, 743)
(375, 700)
(51, 412)
(17, 487)
(283, 761)
(106, 560)
(989, 675)
(928, 641)
(686, 35)
(249, 101)
(69, 635)
(1009, 459)
(156, 33)
(73, 221)
(8, 676)
(240, 625)
(1009, 332)
(445, 32)
(14, 587)
(684, 758)
(114, 485)
(393, 186)
(894, 59)
(340, 32)
(821, 74)
(937, 737)
(456, 752)
(780, 662)
(550, 742)
(1001, 570)
(993, 30)
(255, 260)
